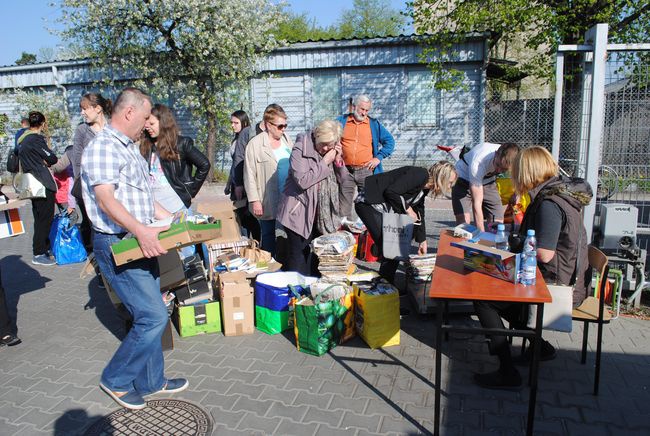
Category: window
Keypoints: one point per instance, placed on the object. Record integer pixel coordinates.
(422, 100)
(326, 97)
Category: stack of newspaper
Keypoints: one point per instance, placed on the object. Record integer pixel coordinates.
(419, 268)
(335, 255)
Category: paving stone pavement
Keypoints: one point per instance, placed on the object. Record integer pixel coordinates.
(261, 384)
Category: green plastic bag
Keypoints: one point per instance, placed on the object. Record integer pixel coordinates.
(319, 327)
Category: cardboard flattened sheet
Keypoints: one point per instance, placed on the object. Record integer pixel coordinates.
(222, 210)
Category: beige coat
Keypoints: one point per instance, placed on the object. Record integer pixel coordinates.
(260, 174)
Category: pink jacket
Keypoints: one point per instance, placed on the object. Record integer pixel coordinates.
(299, 201)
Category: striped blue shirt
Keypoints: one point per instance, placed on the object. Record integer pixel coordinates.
(111, 158)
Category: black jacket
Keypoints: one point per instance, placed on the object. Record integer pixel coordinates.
(35, 158)
(393, 186)
(180, 173)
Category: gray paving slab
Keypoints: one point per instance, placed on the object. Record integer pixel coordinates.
(261, 384)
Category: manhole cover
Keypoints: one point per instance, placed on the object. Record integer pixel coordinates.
(160, 417)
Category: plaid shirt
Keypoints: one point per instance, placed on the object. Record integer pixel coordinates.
(111, 158)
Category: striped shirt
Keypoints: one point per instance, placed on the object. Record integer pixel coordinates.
(111, 158)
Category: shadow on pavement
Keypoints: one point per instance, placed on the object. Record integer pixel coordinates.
(115, 320)
(74, 422)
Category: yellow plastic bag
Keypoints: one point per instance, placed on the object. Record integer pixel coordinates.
(377, 318)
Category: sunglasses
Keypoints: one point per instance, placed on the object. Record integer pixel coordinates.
(279, 126)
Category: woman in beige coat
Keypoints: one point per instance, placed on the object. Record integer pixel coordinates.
(266, 166)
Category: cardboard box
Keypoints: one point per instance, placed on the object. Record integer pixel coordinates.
(224, 211)
(10, 222)
(179, 235)
(488, 260)
(237, 305)
(197, 319)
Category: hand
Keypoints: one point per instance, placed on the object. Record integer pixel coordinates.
(148, 240)
(330, 156)
(410, 212)
(70, 210)
(422, 249)
(374, 162)
(239, 192)
(257, 208)
(226, 190)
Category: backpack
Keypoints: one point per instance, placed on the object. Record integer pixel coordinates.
(12, 158)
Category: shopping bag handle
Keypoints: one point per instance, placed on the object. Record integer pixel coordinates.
(295, 293)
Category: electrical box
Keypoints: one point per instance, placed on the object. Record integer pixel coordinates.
(618, 223)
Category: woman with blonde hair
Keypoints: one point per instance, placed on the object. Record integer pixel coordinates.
(309, 205)
(555, 213)
(402, 190)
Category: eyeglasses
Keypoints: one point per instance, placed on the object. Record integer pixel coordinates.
(279, 126)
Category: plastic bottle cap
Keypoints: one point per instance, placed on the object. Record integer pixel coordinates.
(531, 232)
(501, 227)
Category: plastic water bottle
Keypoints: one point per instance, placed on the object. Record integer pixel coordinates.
(529, 259)
(501, 239)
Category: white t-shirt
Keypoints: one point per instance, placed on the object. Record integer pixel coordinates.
(480, 161)
(163, 192)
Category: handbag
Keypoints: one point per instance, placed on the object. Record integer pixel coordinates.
(13, 162)
(28, 187)
(558, 313)
(397, 232)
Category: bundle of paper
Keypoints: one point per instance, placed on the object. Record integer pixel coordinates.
(419, 267)
(335, 255)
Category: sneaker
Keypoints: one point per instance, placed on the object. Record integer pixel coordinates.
(131, 400)
(546, 353)
(9, 340)
(43, 259)
(173, 385)
(498, 380)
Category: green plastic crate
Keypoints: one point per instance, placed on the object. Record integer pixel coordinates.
(197, 319)
(273, 322)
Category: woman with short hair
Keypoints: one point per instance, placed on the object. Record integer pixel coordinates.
(309, 205)
(36, 158)
(266, 166)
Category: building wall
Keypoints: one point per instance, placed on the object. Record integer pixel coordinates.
(314, 81)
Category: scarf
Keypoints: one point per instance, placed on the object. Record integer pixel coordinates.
(327, 215)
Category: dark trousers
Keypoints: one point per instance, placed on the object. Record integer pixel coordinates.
(5, 321)
(489, 314)
(248, 221)
(85, 228)
(299, 250)
(371, 217)
(43, 211)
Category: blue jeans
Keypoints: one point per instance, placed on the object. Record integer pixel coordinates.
(268, 236)
(138, 363)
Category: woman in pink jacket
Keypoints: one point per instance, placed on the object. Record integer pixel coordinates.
(309, 205)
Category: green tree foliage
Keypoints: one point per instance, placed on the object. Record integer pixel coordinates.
(192, 51)
(535, 28)
(299, 27)
(26, 59)
(366, 18)
(370, 18)
(52, 104)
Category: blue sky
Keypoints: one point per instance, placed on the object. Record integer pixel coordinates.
(24, 23)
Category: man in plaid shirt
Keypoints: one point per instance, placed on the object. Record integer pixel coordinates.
(119, 200)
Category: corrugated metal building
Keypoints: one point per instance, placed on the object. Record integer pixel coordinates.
(316, 80)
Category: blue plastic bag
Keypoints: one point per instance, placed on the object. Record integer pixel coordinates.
(65, 241)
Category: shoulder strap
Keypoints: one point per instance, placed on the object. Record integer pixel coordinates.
(25, 134)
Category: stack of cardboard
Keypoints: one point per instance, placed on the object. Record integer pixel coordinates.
(335, 253)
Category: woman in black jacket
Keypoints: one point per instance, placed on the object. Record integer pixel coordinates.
(172, 159)
(406, 186)
(36, 158)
